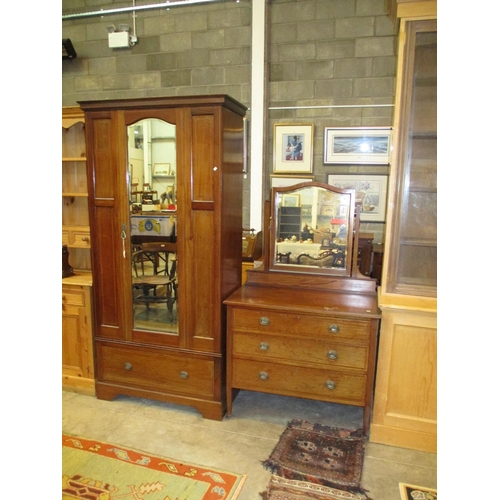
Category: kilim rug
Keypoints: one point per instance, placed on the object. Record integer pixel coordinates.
(102, 471)
(328, 456)
(280, 488)
(412, 492)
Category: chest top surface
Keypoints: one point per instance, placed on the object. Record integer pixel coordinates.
(317, 302)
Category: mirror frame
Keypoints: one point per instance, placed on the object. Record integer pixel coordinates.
(277, 193)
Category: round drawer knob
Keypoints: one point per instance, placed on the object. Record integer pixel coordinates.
(263, 375)
(85, 238)
(330, 384)
(264, 346)
(333, 329)
(128, 366)
(332, 355)
(184, 374)
(264, 321)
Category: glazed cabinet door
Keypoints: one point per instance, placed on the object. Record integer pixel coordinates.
(412, 250)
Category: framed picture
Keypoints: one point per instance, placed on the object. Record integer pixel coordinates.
(293, 147)
(290, 200)
(285, 180)
(371, 146)
(161, 169)
(371, 192)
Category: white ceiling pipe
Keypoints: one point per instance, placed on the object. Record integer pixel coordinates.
(164, 5)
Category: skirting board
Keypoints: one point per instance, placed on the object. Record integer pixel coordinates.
(403, 438)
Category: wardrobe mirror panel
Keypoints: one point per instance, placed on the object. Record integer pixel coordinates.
(152, 167)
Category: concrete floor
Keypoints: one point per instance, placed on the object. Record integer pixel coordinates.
(241, 442)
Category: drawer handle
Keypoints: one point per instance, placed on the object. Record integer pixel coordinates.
(127, 366)
(333, 329)
(85, 238)
(330, 385)
(264, 321)
(184, 374)
(332, 354)
(264, 346)
(264, 375)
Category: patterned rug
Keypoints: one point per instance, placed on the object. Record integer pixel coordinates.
(327, 456)
(412, 492)
(280, 488)
(103, 471)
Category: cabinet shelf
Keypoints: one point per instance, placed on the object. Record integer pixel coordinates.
(418, 242)
(422, 190)
(77, 348)
(423, 134)
(74, 192)
(73, 159)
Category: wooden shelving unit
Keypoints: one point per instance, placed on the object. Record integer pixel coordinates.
(77, 350)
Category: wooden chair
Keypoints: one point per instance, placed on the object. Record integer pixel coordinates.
(154, 278)
(283, 257)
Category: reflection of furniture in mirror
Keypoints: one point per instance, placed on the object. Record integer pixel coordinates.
(405, 408)
(77, 350)
(325, 261)
(153, 227)
(152, 163)
(299, 329)
(180, 362)
(289, 222)
(154, 279)
(330, 227)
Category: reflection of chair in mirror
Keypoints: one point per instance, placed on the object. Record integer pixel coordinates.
(154, 275)
(321, 261)
(283, 257)
(338, 255)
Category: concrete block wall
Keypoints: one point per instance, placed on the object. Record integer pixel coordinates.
(199, 49)
(320, 53)
(326, 58)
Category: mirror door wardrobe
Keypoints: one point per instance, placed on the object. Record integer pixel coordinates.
(168, 243)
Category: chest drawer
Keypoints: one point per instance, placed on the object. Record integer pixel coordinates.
(80, 239)
(310, 383)
(290, 323)
(73, 296)
(156, 370)
(301, 351)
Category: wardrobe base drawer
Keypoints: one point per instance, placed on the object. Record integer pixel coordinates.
(310, 383)
(156, 370)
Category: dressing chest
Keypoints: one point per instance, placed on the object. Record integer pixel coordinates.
(304, 332)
